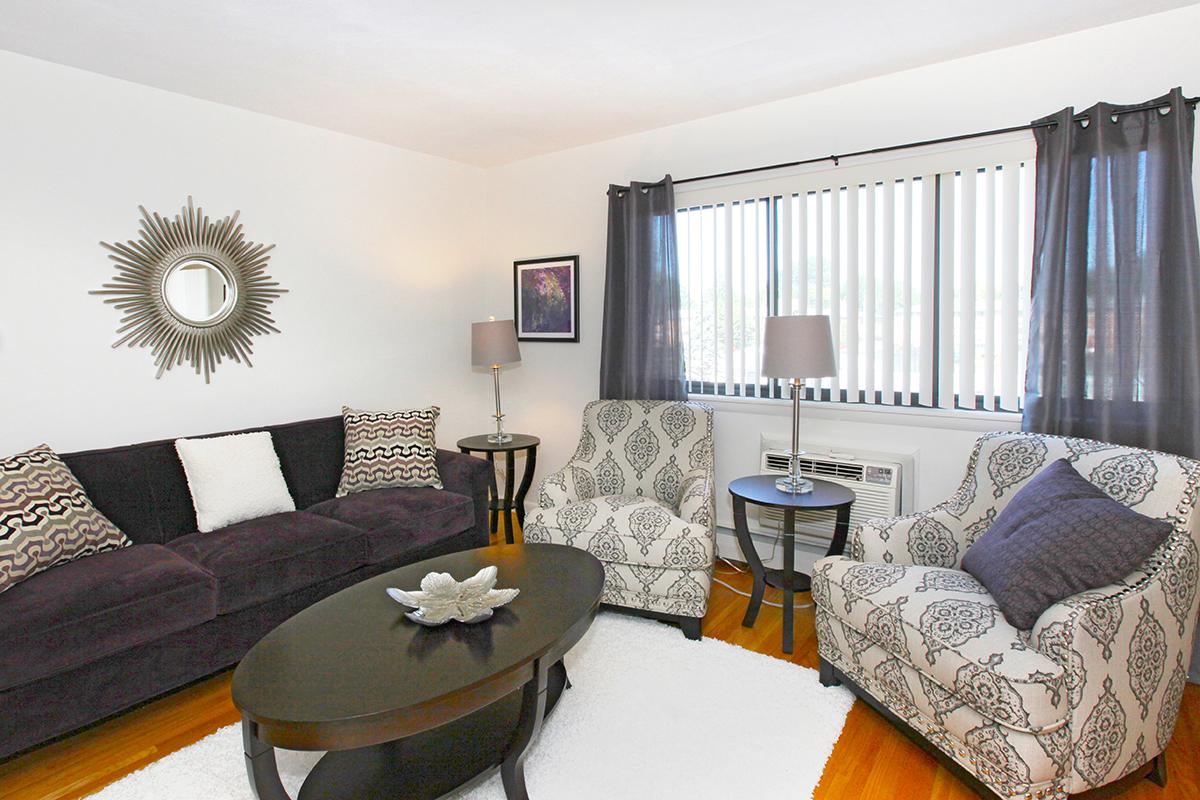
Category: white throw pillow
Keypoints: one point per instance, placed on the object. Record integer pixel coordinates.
(233, 478)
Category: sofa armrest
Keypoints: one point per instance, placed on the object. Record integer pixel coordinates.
(1124, 649)
(697, 497)
(470, 476)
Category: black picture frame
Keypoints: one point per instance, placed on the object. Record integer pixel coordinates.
(524, 270)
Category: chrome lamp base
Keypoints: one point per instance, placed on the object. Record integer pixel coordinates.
(794, 484)
(499, 437)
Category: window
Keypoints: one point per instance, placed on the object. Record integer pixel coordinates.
(922, 263)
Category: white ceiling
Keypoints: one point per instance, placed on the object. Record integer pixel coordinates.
(492, 81)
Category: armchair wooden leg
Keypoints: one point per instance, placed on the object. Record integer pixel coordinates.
(691, 628)
(828, 675)
(1158, 770)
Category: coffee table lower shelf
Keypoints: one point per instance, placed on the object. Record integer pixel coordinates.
(432, 764)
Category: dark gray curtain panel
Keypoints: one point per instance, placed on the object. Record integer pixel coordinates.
(641, 357)
(1114, 339)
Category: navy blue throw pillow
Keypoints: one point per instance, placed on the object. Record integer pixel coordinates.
(1058, 536)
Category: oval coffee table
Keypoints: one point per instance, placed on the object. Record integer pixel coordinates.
(408, 711)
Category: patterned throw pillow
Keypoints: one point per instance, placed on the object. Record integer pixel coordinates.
(389, 449)
(46, 518)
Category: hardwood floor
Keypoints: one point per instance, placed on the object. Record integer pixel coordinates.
(871, 759)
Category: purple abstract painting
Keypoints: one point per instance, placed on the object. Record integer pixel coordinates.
(546, 299)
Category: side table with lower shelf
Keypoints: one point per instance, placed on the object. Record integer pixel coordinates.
(506, 504)
(760, 490)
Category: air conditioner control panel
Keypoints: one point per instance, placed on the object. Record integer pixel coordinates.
(882, 476)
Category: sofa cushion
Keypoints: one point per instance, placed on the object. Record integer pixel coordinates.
(944, 623)
(310, 454)
(400, 521)
(82, 611)
(141, 488)
(261, 559)
(625, 529)
(1060, 535)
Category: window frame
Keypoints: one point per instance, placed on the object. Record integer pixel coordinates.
(924, 162)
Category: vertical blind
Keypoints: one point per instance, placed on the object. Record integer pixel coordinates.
(922, 264)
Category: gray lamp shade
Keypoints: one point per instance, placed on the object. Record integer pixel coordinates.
(494, 342)
(798, 347)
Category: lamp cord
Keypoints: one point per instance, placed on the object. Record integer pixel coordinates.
(735, 568)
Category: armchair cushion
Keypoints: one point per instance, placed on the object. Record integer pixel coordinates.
(1059, 536)
(945, 625)
(625, 529)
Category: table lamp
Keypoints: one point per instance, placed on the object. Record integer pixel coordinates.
(493, 344)
(797, 348)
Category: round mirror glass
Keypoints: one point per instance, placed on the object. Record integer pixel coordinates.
(198, 292)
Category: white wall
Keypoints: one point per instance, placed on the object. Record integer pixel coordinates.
(389, 254)
(376, 245)
(556, 204)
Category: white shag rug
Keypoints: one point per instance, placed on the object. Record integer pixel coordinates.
(650, 715)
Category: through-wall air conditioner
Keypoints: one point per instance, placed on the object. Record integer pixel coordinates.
(877, 484)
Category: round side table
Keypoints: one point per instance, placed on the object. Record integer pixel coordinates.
(760, 490)
(507, 503)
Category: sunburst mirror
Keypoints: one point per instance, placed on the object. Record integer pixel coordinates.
(191, 289)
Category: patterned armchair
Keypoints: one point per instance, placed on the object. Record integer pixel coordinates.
(639, 495)
(1086, 697)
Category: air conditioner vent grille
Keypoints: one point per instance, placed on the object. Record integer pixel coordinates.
(779, 462)
(876, 485)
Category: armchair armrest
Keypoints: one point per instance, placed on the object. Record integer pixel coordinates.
(1124, 649)
(937, 537)
(570, 484)
(697, 497)
(924, 539)
(467, 475)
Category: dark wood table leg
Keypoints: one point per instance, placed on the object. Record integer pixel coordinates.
(509, 466)
(260, 764)
(526, 482)
(533, 709)
(841, 529)
(789, 575)
(493, 514)
(751, 556)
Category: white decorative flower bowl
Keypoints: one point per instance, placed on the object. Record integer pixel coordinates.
(441, 598)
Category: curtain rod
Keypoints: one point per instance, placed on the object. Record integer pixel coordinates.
(836, 158)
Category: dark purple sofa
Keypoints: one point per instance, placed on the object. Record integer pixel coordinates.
(88, 639)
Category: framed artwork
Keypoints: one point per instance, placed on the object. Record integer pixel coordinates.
(546, 299)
